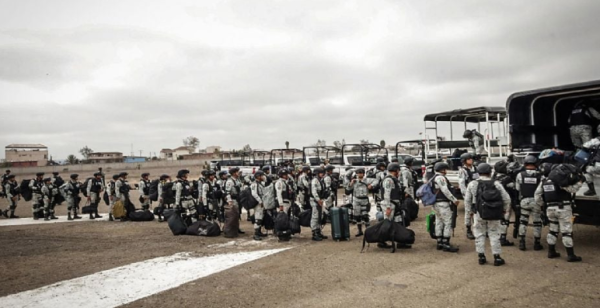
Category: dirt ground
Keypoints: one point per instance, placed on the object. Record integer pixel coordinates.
(310, 274)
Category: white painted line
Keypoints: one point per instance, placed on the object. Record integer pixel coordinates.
(122, 285)
(4, 222)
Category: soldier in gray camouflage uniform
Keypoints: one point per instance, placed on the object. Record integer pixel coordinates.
(144, 190)
(257, 187)
(37, 202)
(360, 199)
(482, 227)
(581, 121)
(328, 179)
(443, 211)
(12, 194)
(475, 140)
(94, 189)
(526, 183)
(232, 190)
(70, 191)
(183, 193)
(560, 215)
(406, 177)
(318, 194)
(593, 168)
(112, 197)
(304, 187)
(48, 193)
(467, 174)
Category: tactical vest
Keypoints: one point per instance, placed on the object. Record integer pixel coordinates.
(96, 186)
(439, 195)
(235, 190)
(322, 193)
(285, 194)
(210, 194)
(529, 184)
(146, 189)
(396, 192)
(471, 176)
(554, 195)
(186, 190)
(361, 192)
(112, 188)
(39, 185)
(579, 116)
(75, 188)
(13, 188)
(49, 194)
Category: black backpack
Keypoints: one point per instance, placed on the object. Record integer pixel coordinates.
(381, 232)
(564, 175)
(489, 201)
(177, 224)
(247, 200)
(84, 186)
(153, 191)
(25, 191)
(282, 224)
(168, 193)
(268, 222)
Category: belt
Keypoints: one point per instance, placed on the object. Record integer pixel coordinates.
(361, 198)
(559, 205)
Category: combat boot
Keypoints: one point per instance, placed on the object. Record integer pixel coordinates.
(504, 241)
(46, 217)
(160, 219)
(69, 216)
(5, 213)
(12, 214)
(440, 243)
(259, 230)
(241, 232)
(257, 236)
(482, 259)
(552, 252)
(591, 190)
(316, 236)
(96, 215)
(498, 261)
(35, 216)
(110, 217)
(470, 233)
(522, 246)
(537, 245)
(323, 236)
(360, 232)
(571, 255)
(92, 216)
(75, 216)
(52, 216)
(448, 247)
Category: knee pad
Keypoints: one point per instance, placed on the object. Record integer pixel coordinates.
(553, 233)
(504, 222)
(567, 235)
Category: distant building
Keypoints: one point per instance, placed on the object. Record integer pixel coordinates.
(175, 154)
(26, 155)
(167, 154)
(212, 149)
(134, 159)
(198, 156)
(105, 157)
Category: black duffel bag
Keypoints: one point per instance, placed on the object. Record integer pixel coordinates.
(204, 228)
(305, 218)
(177, 224)
(403, 235)
(381, 232)
(141, 216)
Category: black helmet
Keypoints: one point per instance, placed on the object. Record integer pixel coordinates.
(123, 174)
(530, 160)
(468, 133)
(305, 169)
(143, 174)
(222, 173)
(282, 172)
(501, 167)
(546, 168)
(39, 174)
(510, 158)
(258, 174)
(379, 165)
(234, 170)
(266, 168)
(55, 173)
(7, 171)
(438, 167)
(74, 176)
(100, 174)
(115, 176)
(465, 156)
(164, 177)
(47, 180)
(182, 173)
(204, 172)
(329, 168)
(319, 170)
(394, 167)
(409, 161)
(395, 160)
(360, 170)
(484, 168)
(12, 176)
(211, 172)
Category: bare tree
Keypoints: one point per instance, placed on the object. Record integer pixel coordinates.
(247, 149)
(191, 141)
(85, 152)
(72, 159)
(287, 145)
(382, 143)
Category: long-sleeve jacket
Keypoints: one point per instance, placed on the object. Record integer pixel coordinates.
(317, 189)
(110, 188)
(539, 192)
(282, 188)
(442, 184)
(11, 189)
(206, 187)
(70, 189)
(406, 180)
(465, 177)
(257, 189)
(360, 187)
(470, 195)
(144, 188)
(36, 186)
(232, 189)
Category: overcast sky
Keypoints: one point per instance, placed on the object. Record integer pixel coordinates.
(110, 73)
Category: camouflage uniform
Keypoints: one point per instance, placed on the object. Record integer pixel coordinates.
(379, 176)
(208, 199)
(329, 200)
(390, 202)
(283, 194)
(303, 190)
(318, 192)
(12, 195)
(112, 198)
(70, 191)
(464, 179)
(183, 196)
(580, 120)
(37, 201)
(592, 169)
(257, 189)
(360, 199)
(560, 216)
(406, 178)
(443, 212)
(482, 227)
(580, 134)
(144, 190)
(477, 144)
(48, 193)
(124, 196)
(529, 207)
(232, 190)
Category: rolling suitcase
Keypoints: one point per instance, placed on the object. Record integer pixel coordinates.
(340, 224)
(232, 222)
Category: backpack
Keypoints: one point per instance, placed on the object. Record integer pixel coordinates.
(105, 198)
(489, 203)
(141, 216)
(59, 181)
(177, 224)
(282, 224)
(247, 200)
(381, 232)
(305, 218)
(426, 193)
(564, 175)
(268, 222)
(84, 186)
(268, 198)
(25, 191)
(168, 193)
(153, 191)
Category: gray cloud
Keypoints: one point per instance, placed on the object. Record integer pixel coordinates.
(263, 72)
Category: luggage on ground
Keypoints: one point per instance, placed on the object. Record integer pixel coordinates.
(413, 208)
(402, 234)
(340, 224)
(158, 210)
(232, 223)
(282, 226)
(295, 225)
(430, 219)
(305, 218)
(141, 216)
(118, 210)
(381, 232)
(166, 213)
(177, 224)
(204, 228)
(88, 209)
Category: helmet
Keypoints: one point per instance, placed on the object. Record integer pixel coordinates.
(266, 168)
(484, 168)
(98, 174)
(530, 160)
(47, 180)
(546, 168)
(510, 158)
(305, 169)
(501, 167)
(438, 167)
(182, 173)
(282, 172)
(349, 168)
(394, 167)
(395, 160)
(379, 165)
(123, 174)
(409, 161)
(12, 176)
(234, 170)
(164, 177)
(55, 173)
(204, 172)
(360, 170)
(222, 173)
(211, 172)
(74, 176)
(143, 174)
(115, 176)
(468, 133)
(329, 168)
(258, 174)
(39, 174)
(465, 156)
(319, 170)
(7, 171)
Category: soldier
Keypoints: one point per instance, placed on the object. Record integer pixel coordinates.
(144, 189)
(183, 194)
(526, 184)
(593, 167)
(57, 180)
(35, 185)
(475, 141)
(442, 207)
(4, 181)
(160, 193)
(318, 194)
(209, 196)
(406, 175)
(94, 190)
(257, 187)
(560, 214)
(48, 193)
(112, 196)
(12, 194)
(392, 194)
(508, 184)
(270, 177)
(232, 191)
(122, 189)
(482, 227)
(380, 174)
(360, 199)
(304, 187)
(330, 186)
(70, 190)
(284, 191)
(581, 120)
(466, 174)
(221, 183)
